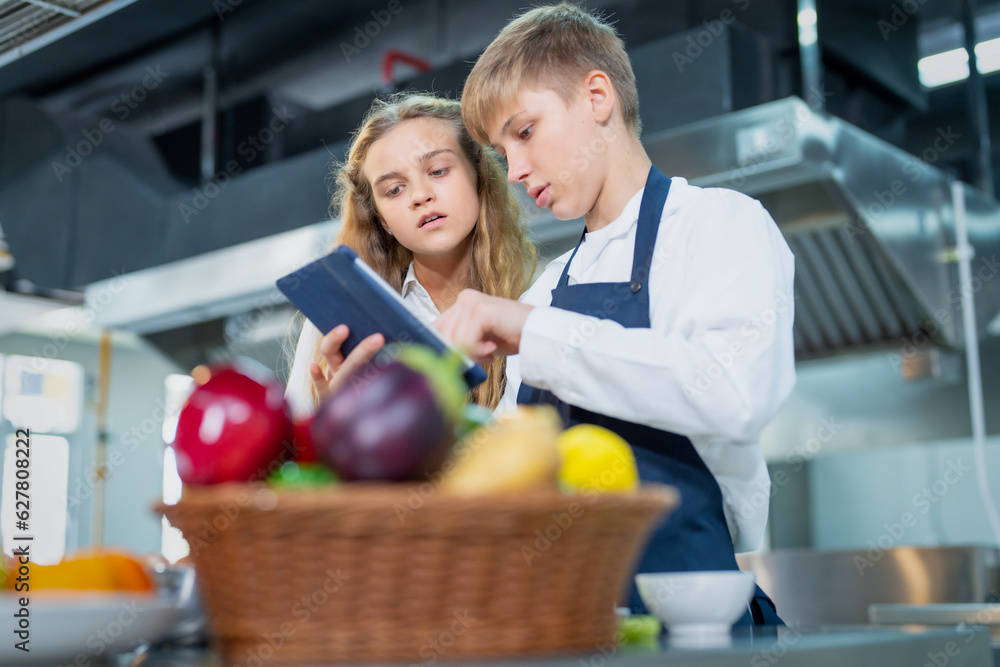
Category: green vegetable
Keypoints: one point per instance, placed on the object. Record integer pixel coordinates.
(301, 475)
(639, 629)
(473, 417)
(444, 373)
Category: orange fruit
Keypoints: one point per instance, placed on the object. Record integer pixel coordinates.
(87, 571)
(127, 572)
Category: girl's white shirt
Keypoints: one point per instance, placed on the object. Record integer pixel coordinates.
(299, 389)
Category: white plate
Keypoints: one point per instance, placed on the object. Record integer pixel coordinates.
(62, 628)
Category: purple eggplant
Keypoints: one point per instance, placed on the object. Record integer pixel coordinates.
(386, 424)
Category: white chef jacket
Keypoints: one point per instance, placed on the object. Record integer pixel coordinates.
(298, 392)
(718, 360)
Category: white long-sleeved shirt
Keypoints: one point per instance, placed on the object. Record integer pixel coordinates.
(298, 391)
(718, 360)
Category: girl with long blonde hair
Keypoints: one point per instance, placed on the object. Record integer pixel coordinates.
(430, 210)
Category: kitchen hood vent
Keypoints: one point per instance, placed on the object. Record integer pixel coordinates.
(846, 295)
(872, 227)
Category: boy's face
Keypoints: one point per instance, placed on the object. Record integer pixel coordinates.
(555, 149)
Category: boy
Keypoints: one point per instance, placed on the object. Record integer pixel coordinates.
(669, 323)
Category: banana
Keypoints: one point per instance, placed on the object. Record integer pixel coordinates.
(519, 451)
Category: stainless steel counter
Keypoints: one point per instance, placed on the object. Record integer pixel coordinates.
(813, 587)
(857, 646)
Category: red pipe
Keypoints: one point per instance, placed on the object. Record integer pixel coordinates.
(394, 56)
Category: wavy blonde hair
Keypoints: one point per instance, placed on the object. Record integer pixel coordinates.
(502, 260)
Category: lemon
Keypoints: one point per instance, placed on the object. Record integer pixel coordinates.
(595, 458)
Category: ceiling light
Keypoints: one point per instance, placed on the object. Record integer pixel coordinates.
(952, 66)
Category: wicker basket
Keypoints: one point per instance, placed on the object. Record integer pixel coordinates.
(387, 572)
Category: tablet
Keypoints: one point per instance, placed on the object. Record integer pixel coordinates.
(341, 289)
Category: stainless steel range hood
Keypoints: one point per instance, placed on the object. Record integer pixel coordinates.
(872, 227)
(225, 302)
(226, 282)
(215, 305)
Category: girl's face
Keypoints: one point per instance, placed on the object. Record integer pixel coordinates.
(424, 187)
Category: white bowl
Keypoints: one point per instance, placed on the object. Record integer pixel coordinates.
(697, 604)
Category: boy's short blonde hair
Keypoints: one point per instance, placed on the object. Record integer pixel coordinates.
(553, 46)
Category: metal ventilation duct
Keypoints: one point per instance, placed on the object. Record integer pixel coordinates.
(23, 21)
(872, 227)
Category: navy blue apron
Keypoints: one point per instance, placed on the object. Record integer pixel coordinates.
(696, 536)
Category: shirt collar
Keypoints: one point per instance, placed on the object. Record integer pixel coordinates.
(621, 225)
(410, 281)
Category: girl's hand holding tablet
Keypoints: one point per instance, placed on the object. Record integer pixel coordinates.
(341, 367)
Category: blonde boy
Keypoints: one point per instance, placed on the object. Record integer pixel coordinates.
(669, 323)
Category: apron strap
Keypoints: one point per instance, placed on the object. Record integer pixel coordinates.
(650, 214)
(650, 211)
(564, 278)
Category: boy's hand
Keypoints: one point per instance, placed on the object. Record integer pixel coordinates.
(484, 326)
(342, 368)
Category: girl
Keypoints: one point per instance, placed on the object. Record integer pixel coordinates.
(430, 210)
